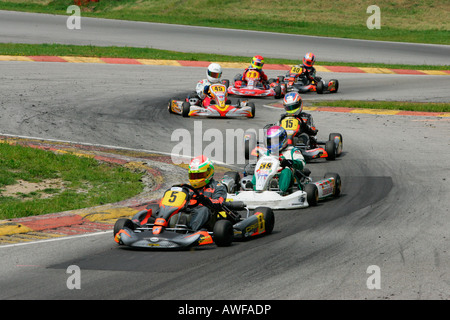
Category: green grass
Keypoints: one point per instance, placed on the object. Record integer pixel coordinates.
(84, 182)
(425, 21)
(19, 49)
(387, 105)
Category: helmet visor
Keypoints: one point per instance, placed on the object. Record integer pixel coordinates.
(198, 175)
(291, 107)
(215, 75)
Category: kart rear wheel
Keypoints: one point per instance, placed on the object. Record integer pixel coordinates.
(253, 109)
(339, 147)
(223, 233)
(336, 85)
(319, 87)
(277, 90)
(312, 194)
(337, 179)
(123, 223)
(186, 106)
(269, 218)
(330, 148)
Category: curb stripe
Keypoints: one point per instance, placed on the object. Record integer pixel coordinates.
(227, 65)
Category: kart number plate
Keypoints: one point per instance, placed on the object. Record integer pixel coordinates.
(218, 88)
(252, 75)
(173, 198)
(290, 124)
(296, 70)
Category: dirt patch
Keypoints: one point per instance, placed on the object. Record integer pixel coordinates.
(23, 187)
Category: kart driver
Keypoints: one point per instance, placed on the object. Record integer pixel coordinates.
(291, 157)
(307, 67)
(293, 105)
(212, 193)
(213, 75)
(256, 64)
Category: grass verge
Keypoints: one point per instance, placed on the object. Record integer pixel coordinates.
(424, 21)
(19, 49)
(76, 182)
(386, 105)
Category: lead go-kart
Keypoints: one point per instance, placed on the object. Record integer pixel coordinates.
(310, 148)
(251, 86)
(297, 81)
(259, 185)
(218, 105)
(168, 226)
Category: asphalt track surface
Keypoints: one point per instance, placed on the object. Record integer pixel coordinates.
(41, 28)
(393, 212)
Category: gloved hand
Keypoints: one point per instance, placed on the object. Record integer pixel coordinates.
(286, 163)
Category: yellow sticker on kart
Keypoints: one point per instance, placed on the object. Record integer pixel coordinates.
(218, 88)
(290, 124)
(174, 198)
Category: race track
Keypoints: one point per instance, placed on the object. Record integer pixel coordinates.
(394, 207)
(393, 212)
(41, 28)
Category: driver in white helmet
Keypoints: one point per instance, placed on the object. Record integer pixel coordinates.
(213, 75)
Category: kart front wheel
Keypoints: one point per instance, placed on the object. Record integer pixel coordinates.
(223, 233)
(123, 223)
(252, 108)
(337, 182)
(186, 108)
(312, 194)
(330, 148)
(269, 218)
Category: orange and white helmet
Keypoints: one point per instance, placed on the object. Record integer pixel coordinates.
(309, 59)
(201, 170)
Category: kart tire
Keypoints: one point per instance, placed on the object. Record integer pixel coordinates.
(123, 223)
(253, 109)
(330, 148)
(186, 107)
(337, 178)
(170, 106)
(236, 178)
(319, 87)
(269, 218)
(223, 233)
(341, 142)
(312, 194)
(336, 85)
(277, 90)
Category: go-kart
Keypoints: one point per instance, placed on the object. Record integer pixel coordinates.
(218, 105)
(310, 147)
(167, 227)
(297, 81)
(251, 86)
(265, 191)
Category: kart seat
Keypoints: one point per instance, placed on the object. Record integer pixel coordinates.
(184, 219)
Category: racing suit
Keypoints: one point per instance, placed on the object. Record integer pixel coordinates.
(292, 160)
(212, 196)
(308, 72)
(262, 76)
(305, 127)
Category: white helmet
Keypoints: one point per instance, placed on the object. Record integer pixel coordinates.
(214, 73)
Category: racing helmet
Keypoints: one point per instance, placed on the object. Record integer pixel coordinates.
(293, 103)
(201, 170)
(257, 62)
(276, 139)
(214, 72)
(309, 59)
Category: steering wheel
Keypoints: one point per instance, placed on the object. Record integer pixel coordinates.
(195, 191)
